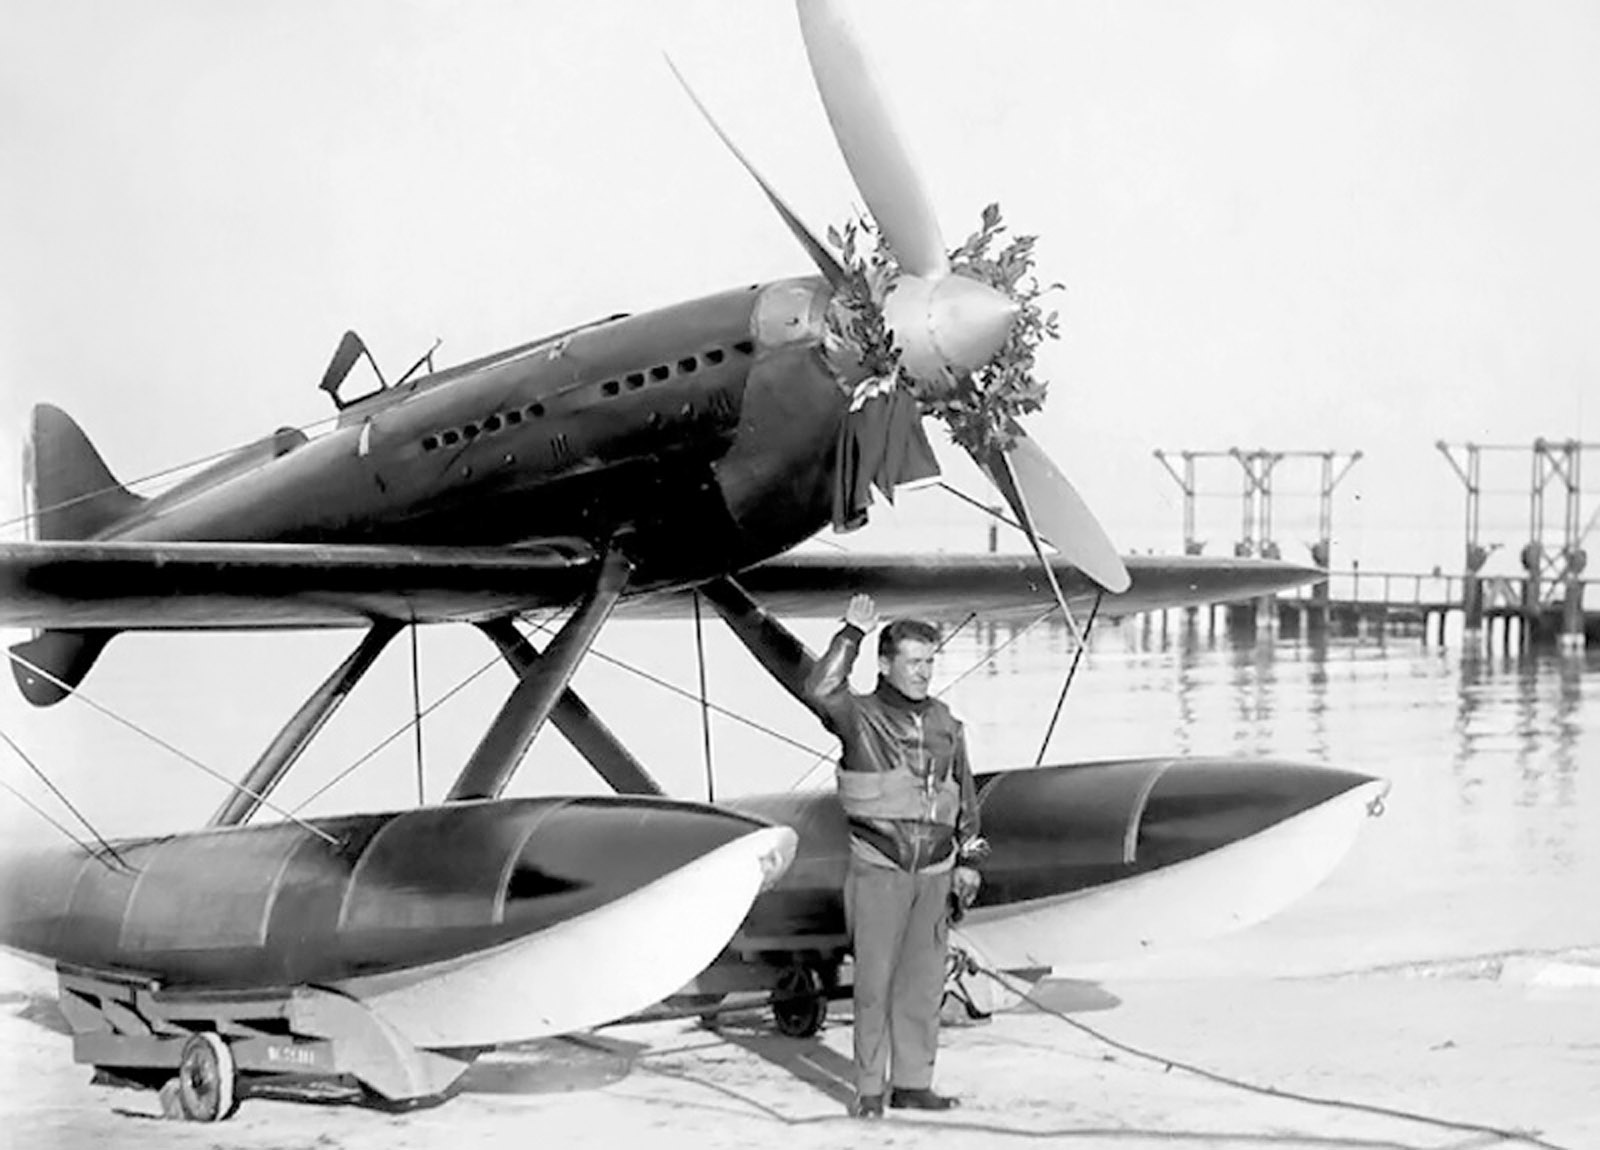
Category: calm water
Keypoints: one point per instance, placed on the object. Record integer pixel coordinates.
(1490, 843)
(1491, 838)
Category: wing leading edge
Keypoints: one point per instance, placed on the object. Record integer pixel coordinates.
(936, 586)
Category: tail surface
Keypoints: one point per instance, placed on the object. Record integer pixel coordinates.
(72, 495)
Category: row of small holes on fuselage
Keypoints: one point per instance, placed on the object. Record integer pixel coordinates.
(632, 381)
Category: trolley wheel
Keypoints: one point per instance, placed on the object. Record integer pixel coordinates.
(800, 1001)
(207, 1079)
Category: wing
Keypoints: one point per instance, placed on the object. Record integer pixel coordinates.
(939, 586)
(226, 586)
(197, 586)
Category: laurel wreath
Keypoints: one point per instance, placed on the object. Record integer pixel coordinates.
(980, 409)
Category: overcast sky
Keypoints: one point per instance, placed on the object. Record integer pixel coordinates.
(1328, 226)
(1304, 226)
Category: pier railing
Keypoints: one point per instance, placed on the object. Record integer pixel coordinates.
(1397, 588)
(1433, 592)
(1353, 599)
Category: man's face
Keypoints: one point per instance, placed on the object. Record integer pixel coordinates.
(911, 669)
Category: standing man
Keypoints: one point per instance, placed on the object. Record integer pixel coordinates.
(907, 792)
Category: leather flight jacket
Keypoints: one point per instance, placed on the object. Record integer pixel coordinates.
(903, 777)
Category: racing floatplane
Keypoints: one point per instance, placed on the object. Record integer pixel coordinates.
(618, 466)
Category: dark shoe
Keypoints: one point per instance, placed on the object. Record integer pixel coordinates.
(902, 1098)
(867, 1106)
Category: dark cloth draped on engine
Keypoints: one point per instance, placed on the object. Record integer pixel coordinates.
(881, 444)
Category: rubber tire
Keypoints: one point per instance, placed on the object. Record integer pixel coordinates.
(207, 1079)
(800, 1001)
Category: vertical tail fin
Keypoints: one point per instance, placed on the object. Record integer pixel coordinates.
(74, 493)
(71, 495)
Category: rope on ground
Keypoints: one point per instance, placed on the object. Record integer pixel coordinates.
(1268, 1091)
(714, 1037)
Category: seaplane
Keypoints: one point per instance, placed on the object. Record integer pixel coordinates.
(615, 468)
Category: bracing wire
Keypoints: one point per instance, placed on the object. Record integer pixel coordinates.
(1066, 684)
(705, 708)
(33, 514)
(373, 752)
(990, 657)
(162, 743)
(1025, 513)
(416, 706)
(716, 708)
(987, 510)
(959, 627)
(76, 841)
(66, 802)
(823, 756)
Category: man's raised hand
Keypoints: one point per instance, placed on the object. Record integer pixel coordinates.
(862, 613)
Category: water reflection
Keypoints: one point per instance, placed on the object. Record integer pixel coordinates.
(1254, 678)
(1487, 753)
(1189, 679)
(1317, 680)
(1527, 708)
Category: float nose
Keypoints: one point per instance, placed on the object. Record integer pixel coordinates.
(1108, 860)
(1204, 805)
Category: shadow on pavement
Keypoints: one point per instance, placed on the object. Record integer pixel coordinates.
(553, 1066)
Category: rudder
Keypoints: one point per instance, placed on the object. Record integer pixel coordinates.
(74, 493)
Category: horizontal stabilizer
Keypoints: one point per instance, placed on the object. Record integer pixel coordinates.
(74, 493)
(65, 658)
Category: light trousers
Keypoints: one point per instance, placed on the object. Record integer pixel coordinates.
(899, 924)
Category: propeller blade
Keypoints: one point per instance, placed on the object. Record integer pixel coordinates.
(872, 149)
(1050, 508)
(820, 255)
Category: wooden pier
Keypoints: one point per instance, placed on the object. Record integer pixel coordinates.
(1515, 612)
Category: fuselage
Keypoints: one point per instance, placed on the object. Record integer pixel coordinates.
(699, 437)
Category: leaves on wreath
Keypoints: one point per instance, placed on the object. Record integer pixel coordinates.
(980, 409)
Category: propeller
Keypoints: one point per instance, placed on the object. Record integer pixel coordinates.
(945, 326)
